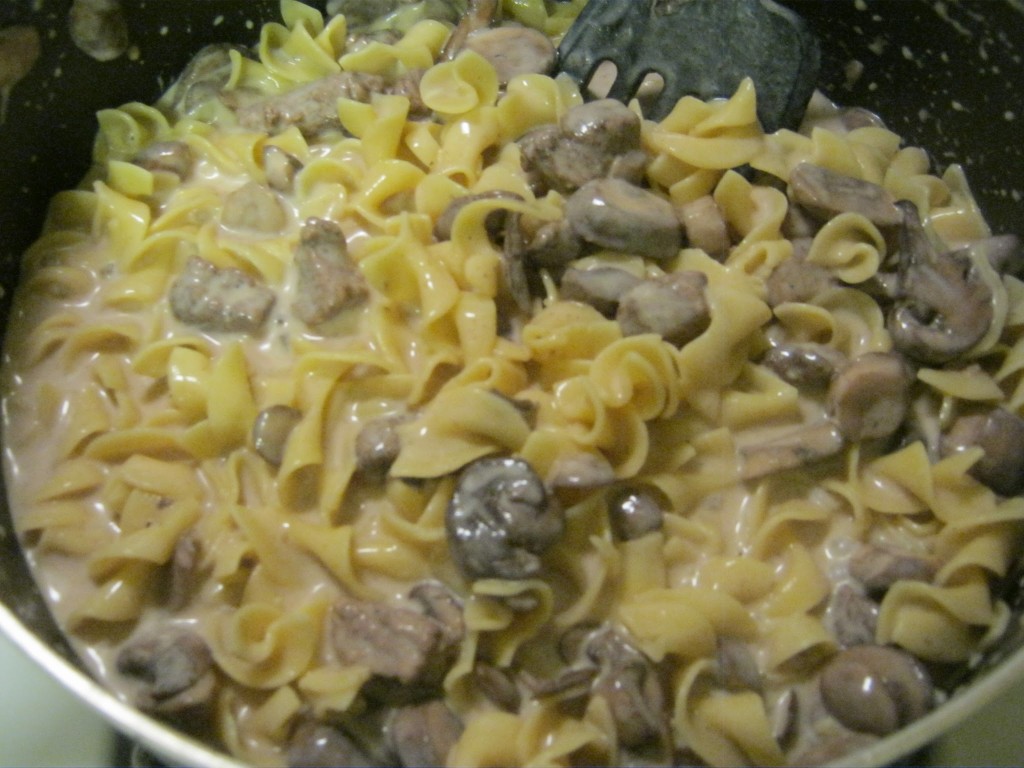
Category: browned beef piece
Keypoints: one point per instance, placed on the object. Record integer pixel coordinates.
(408, 651)
(313, 107)
(328, 280)
(222, 300)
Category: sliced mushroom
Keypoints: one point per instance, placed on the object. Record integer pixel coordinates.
(169, 662)
(98, 28)
(280, 168)
(423, 734)
(852, 616)
(513, 50)
(254, 208)
(572, 644)
(1000, 434)
(328, 280)
(804, 365)
(869, 397)
(876, 689)
(221, 300)
(797, 280)
(515, 286)
(629, 684)
(271, 429)
(797, 448)
(584, 471)
(541, 243)
(319, 745)
(885, 286)
(924, 425)
(784, 716)
(184, 571)
(879, 567)
(636, 510)
(946, 306)
(600, 287)
(500, 520)
(826, 193)
(497, 685)
(735, 666)
(378, 444)
(705, 226)
(672, 306)
(591, 141)
(495, 221)
(479, 14)
(619, 216)
(568, 685)
(173, 157)
(630, 167)
(406, 651)
(176, 669)
(605, 123)
(799, 225)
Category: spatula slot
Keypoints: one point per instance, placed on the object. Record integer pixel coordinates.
(702, 48)
(604, 79)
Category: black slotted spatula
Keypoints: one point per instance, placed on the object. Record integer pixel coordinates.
(701, 48)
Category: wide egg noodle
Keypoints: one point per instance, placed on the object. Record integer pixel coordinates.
(850, 246)
(756, 214)
(724, 728)
(134, 430)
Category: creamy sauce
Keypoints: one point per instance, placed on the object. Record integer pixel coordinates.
(771, 550)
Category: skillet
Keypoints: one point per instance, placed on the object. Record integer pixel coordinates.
(944, 75)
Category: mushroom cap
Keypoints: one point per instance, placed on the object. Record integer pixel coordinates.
(500, 519)
(870, 396)
(1000, 434)
(875, 689)
(614, 214)
(946, 307)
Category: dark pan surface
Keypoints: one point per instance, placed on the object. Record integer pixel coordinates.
(947, 76)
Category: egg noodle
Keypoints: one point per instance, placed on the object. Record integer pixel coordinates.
(129, 432)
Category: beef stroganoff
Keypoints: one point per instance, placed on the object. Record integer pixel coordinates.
(380, 397)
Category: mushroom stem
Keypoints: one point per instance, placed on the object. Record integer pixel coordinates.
(946, 307)
(796, 448)
(480, 15)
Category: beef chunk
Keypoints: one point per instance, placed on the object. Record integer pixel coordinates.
(221, 300)
(176, 671)
(407, 651)
(328, 280)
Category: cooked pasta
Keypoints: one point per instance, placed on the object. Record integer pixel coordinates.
(335, 390)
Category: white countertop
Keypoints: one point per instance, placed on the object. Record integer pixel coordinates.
(42, 725)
